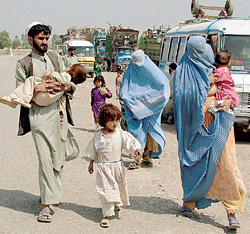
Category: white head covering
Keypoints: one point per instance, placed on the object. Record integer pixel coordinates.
(30, 26)
(138, 57)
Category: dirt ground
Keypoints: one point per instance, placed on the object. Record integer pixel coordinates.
(155, 194)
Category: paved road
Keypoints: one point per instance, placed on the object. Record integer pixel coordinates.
(155, 194)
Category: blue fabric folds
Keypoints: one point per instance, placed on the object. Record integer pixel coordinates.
(200, 148)
(145, 91)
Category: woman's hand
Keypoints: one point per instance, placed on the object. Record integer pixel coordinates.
(213, 77)
(225, 106)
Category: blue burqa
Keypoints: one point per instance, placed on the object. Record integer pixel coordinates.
(200, 148)
(145, 91)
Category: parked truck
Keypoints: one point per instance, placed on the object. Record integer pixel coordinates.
(99, 44)
(150, 43)
(120, 44)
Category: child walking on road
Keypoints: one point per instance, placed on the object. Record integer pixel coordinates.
(105, 148)
(99, 95)
(24, 93)
(224, 83)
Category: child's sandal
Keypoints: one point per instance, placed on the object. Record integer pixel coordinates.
(133, 165)
(104, 223)
(117, 209)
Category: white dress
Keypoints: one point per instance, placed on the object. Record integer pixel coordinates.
(111, 183)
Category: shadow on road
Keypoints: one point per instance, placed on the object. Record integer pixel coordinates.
(90, 213)
(29, 203)
(157, 205)
(85, 130)
(20, 201)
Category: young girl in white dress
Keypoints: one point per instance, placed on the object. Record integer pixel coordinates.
(105, 148)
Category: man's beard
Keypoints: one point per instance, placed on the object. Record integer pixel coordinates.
(38, 48)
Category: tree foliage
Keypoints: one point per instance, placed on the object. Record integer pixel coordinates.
(16, 43)
(56, 40)
(4, 39)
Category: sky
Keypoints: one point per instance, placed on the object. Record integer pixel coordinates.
(15, 15)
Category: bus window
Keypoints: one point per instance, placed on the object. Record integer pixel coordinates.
(165, 49)
(181, 48)
(173, 49)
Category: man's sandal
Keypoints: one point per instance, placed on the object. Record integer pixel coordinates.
(186, 211)
(45, 215)
(104, 223)
(233, 224)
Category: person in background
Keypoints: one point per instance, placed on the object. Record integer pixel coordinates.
(99, 95)
(97, 69)
(52, 137)
(11, 53)
(145, 91)
(70, 59)
(168, 109)
(118, 83)
(105, 148)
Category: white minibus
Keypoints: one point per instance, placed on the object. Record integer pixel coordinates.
(232, 34)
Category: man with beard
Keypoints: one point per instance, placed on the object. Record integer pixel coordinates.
(70, 59)
(51, 135)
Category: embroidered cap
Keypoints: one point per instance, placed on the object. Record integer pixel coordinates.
(30, 26)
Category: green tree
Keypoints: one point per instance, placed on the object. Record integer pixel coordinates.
(4, 39)
(56, 40)
(25, 42)
(16, 43)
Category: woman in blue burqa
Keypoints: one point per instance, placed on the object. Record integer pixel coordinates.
(145, 91)
(206, 143)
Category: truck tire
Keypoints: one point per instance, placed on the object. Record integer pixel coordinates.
(195, 7)
(229, 6)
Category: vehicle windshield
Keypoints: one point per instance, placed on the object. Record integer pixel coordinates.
(239, 47)
(125, 51)
(102, 43)
(83, 51)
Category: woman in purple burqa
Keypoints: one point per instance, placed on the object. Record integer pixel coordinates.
(99, 95)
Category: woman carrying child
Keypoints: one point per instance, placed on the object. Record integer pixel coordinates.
(105, 148)
(206, 143)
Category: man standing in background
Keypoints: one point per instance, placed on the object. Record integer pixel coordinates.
(70, 59)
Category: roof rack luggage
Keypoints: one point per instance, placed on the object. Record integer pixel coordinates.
(197, 9)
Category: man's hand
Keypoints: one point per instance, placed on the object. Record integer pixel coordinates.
(50, 86)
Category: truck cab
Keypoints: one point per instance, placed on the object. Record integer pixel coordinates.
(123, 56)
(84, 53)
(227, 33)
